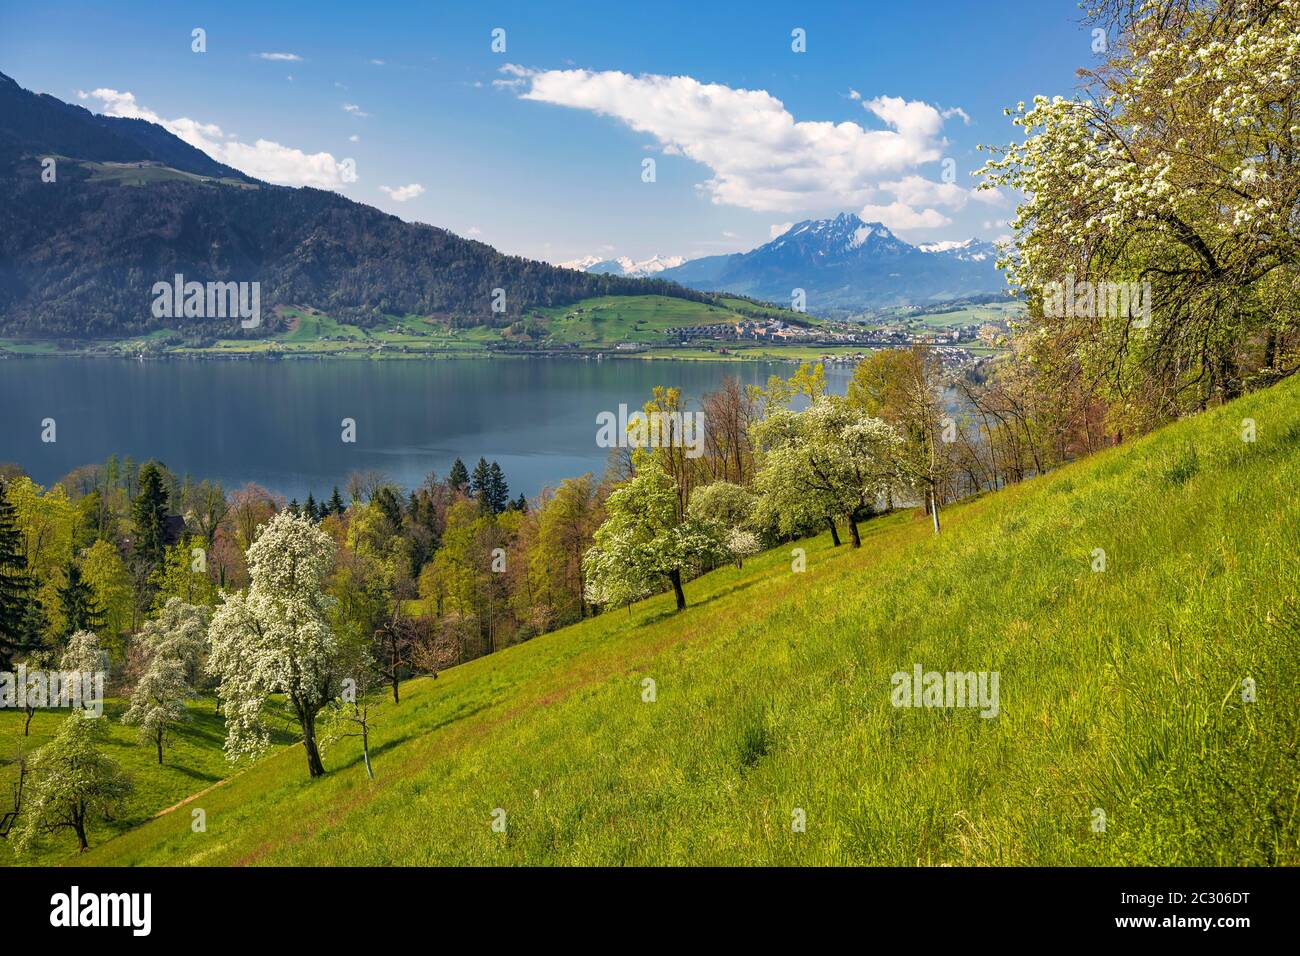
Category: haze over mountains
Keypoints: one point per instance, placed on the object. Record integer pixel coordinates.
(843, 264)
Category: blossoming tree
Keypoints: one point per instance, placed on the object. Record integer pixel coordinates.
(1174, 171)
(646, 541)
(275, 637)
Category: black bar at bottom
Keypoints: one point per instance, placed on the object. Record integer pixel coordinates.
(329, 905)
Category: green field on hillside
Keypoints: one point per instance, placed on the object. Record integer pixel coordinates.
(24, 347)
(313, 332)
(949, 317)
(644, 318)
(192, 761)
(142, 174)
(1120, 692)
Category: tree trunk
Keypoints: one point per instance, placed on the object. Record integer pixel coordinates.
(395, 700)
(27, 725)
(314, 765)
(676, 577)
(365, 750)
(79, 825)
(853, 530)
(934, 510)
(835, 534)
(158, 740)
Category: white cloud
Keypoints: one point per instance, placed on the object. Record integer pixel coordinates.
(956, 111)
(990, 197)
(376, 62)
(473, 231)
(778, 229)
(899, 215)
(285, 57)
(263, 159)
(354, 110)
(919, 191)
(913, 198)
(354, 138)
(403, 193)
(760, 156)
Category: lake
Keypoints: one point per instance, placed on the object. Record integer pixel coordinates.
(277, 423)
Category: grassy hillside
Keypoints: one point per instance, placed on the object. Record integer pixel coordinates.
(145, 173)
(1119, 690)
(944, 318)
(614, 319)
(193, 761)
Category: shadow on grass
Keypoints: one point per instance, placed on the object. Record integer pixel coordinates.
(193, 774)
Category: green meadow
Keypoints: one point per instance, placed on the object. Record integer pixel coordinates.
(193, 761)
(973, 314)
(1122, 692)
(644, 319)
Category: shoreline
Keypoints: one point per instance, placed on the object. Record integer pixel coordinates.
(841, 353)
(795, 353)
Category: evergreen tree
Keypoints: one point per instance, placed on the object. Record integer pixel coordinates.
(458, 477)
(293, 508)
(479, 484)
(390, 506)
(521, 504)
(150, 513)
(81, 610)
(310, 511)
(19, 609)
(336, 502)
(496, 491)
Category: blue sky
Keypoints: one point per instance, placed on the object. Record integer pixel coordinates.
(538, 150)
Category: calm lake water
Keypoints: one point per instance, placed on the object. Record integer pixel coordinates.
(278, 423)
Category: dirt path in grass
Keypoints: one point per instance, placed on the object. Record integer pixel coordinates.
(194, 796)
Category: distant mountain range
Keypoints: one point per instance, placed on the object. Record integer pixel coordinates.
(131, 205)
(623, 266)
(843, 265)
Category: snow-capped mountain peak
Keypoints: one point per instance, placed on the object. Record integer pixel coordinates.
(581, 265)
(623, 265)
(841, 263)
(845, 236)
(967, 250)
